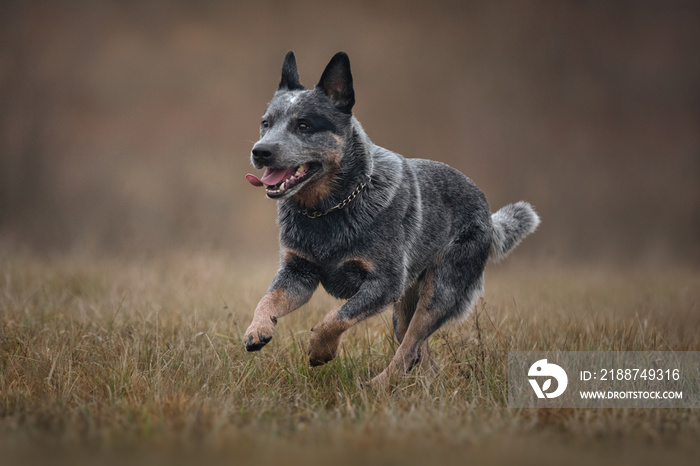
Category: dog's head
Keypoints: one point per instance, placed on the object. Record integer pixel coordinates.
(303, 133)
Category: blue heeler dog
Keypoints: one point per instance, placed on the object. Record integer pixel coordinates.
(371, 226)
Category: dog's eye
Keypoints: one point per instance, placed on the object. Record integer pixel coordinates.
(265, 124)
(303, 127)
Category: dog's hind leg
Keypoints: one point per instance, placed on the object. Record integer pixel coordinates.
(404, 310)
(449, 289)
(415, 337)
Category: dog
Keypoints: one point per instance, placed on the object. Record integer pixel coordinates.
(374, 228)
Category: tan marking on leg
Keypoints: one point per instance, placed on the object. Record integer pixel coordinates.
(274, 304)
(402, 320)
(404, 310)
(325, 338)
(427, 363)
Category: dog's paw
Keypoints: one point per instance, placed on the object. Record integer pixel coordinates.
(323, 346)
(259, 334)
(379, 382)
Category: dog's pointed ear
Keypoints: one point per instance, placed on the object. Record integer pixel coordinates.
(290, 74)
(336, 82)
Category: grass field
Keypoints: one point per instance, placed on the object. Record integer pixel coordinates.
(105, 361)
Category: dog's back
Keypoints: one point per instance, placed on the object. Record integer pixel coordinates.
(446, 206)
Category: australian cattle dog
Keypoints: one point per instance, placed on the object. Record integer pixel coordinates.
(374, 228)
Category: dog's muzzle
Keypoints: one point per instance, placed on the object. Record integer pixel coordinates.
(263, 154)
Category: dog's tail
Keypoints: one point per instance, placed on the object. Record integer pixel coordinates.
(511, 224)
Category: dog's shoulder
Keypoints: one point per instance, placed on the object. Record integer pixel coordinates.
(433, 168)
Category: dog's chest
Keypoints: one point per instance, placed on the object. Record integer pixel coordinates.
(338, 253)
(342, 279)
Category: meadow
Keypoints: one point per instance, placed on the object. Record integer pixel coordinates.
(141, 360)
(126, 130)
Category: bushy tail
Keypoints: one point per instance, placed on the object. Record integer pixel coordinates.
(511, 224)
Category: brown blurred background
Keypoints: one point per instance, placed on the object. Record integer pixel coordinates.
(126, 126)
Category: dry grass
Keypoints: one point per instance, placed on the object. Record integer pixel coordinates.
(106, 360)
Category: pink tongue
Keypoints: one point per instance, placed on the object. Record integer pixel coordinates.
(273, 176)
(254, 180)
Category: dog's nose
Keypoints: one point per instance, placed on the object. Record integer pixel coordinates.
(262, 153)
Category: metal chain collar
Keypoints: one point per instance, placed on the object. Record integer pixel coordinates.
(346, 201)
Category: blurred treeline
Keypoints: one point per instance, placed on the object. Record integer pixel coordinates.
(126, 126)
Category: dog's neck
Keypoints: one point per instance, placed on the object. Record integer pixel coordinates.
(360, 138)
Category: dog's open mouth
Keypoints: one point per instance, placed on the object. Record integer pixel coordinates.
(278, 181)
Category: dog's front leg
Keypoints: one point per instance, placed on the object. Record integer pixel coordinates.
(292, 287)
(373, 297)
